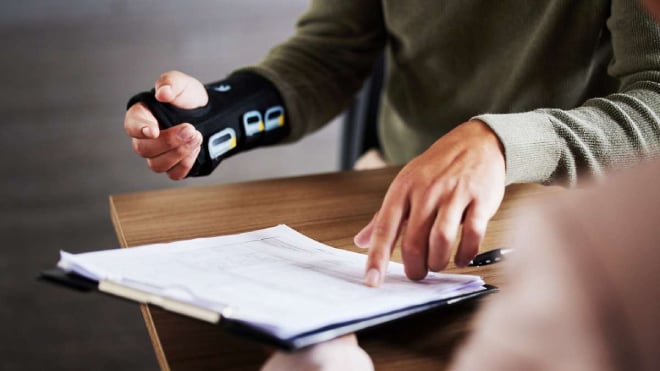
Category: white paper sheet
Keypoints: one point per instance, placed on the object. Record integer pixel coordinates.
(276, 278)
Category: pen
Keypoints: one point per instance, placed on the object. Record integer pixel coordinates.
(489, 257)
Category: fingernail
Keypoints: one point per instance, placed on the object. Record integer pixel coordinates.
(372, 278)
(359, 243)
(187, 134)
(165, 89)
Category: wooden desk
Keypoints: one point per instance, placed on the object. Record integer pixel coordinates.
(330, 208)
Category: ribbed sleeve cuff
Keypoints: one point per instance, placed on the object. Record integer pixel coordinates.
(530, 145)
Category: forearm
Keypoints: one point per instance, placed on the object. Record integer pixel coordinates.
(242, 111)
(568, 145)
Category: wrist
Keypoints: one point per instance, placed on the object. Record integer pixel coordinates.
(243, 111)
(486, 135)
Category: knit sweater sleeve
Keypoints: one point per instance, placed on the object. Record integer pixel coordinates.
(320, 68)
(567, 146)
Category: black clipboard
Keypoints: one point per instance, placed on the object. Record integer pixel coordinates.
(246, 330)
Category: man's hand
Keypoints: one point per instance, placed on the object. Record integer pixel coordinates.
(459, 179)
(173, 150)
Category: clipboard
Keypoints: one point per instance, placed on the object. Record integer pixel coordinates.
(274, 285)
(250, 332)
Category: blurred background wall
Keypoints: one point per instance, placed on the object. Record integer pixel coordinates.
(66, 71)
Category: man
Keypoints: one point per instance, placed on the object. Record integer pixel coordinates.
(478, 94)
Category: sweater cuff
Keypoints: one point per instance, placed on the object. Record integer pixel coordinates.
(529, 142)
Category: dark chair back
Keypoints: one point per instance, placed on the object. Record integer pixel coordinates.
(360, 130)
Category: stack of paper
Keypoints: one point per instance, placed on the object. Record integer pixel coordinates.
(275, 279)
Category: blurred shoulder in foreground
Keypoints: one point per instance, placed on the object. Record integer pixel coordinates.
(584, 292)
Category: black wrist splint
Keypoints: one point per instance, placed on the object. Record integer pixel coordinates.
(244, 111)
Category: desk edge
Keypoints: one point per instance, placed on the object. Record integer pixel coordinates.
(146, 314)
(119, 232)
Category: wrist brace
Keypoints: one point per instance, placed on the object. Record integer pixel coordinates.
(244, 111)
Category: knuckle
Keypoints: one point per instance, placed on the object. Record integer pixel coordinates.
(431, 192)
(132, 113)
(441, 238)
(142, 113)
(404, 181)
(138, 147)
(137, 110)
(170, 140)
(175, 175)
(476, 225)
(128, 127)
(132, 110)
(187, 164)
(469, 185)
(447, 183)
(181, 151)
(380, 231)
(376, 257)
(156, 166)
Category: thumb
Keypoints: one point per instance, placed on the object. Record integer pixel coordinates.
(181, 90)
(363, 238)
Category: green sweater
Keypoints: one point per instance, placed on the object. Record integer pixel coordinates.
(570, 87)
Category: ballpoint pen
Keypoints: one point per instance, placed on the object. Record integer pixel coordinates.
(490, 257)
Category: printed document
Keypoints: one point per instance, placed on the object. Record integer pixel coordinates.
(276, 279)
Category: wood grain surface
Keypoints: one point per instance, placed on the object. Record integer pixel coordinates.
(330, 208)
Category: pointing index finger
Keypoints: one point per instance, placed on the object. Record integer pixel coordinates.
(384, 235)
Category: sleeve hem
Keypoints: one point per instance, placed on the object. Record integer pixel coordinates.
(529, 143)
